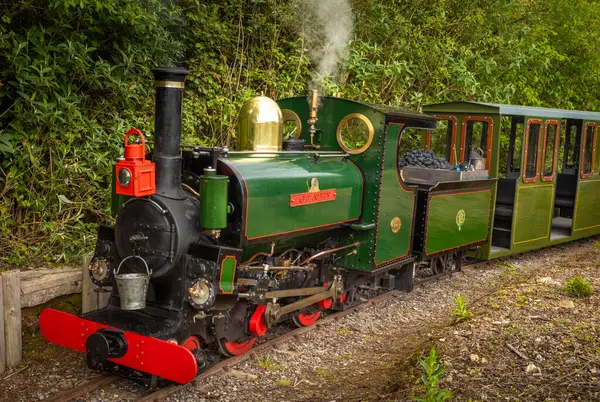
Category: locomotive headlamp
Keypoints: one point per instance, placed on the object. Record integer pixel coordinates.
(124, 177)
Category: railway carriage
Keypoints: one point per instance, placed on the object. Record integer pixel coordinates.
(547, 168)
(212, 248)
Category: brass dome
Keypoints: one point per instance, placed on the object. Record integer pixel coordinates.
(260, 125)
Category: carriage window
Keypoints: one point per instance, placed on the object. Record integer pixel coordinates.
(440, 139)
(588, 149)
(571, 145)
(412, 152)
(477, 132)
(516, 139)
(503, 157)
(550, 150)
(533, 135)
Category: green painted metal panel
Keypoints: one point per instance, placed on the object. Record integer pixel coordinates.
(457, 219)
(332, 111)
(213, 200)
(227, 275)
(587, 208)
(396, 201)
(271, 181)
(533, 212)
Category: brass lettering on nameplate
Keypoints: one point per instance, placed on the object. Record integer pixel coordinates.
(313, 197)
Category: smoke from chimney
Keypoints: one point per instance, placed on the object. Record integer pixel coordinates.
(327, 30)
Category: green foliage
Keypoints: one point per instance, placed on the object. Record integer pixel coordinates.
(75, 75)
(461, 312)
(433, 374)
(578, 286)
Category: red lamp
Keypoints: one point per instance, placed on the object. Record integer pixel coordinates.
(135, 175)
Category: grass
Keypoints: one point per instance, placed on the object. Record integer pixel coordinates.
(267, 363)
(343, 331)
(321, 372)
(461, 312)
(578, 286)
(283, 383)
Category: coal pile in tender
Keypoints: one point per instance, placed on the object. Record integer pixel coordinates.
(423, 159)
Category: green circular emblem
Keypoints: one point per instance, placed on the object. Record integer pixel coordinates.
(460, 218)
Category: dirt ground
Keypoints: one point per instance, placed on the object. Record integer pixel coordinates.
(522, 316)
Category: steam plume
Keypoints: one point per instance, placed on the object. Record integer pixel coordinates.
(327, 30)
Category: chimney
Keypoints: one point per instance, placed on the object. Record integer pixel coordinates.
(170, 82)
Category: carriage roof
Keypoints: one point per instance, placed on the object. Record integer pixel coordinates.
(512, 110)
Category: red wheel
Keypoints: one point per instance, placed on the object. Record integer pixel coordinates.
(343, 298)
(191, 343)
(325, 304)
(235, 348)
(306, 319)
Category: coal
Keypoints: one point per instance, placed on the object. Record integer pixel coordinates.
(423, 159)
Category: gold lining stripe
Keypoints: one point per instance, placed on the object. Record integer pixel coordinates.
(170, 84)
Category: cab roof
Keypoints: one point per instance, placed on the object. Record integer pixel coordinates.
(410, 118)
(512, 110)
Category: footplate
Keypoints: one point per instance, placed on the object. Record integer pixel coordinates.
(143, 353)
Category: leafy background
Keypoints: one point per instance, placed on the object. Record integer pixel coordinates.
(75, 74)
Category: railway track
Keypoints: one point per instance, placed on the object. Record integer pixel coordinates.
(162, 393)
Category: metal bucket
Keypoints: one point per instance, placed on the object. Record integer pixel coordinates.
(133, 287)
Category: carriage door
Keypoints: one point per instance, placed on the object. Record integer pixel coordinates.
(587, 214)
(534, 196)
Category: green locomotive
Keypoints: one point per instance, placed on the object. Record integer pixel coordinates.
(213, 247)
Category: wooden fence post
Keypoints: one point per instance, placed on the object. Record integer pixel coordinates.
(2, 343)
(11, 284)
(88, 296)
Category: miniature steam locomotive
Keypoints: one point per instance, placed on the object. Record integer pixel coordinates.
(212, 248)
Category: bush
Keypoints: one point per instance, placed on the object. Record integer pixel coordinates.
(75, 75)
(578, 286)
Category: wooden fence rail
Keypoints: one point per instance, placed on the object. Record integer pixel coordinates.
(22, 289)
